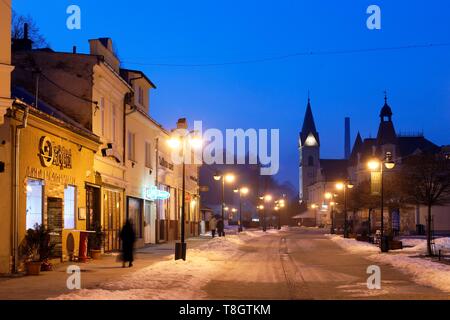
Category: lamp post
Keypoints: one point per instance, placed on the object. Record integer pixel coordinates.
(267, 199)
(224, 178)
(281, 204)
(377, 165)
(242, 192)
(329, 196)
(178, 142)
(343, 186)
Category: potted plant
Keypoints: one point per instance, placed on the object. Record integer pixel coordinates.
(30, 248)
(96, 241)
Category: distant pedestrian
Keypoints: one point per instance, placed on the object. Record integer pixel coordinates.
(220, 228)
(128, 236)
(213, 226)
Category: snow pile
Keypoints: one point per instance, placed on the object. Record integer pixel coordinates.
(423, 271)
(354, 246)
(169, 279)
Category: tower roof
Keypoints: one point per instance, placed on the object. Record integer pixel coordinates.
(309, 126)
(386, 132)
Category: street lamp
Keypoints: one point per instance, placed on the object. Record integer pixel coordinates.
(267, 199)
(178, 141)
(377, 165)
(343, 186)
(242, 192)
(229, 178)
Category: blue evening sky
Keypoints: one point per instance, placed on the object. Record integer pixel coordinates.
(273, 94)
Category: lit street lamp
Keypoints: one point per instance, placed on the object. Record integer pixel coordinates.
(178, 141)
(267, 199)
(377, 165)
(242, 192)
(341, 186)
(229, 178)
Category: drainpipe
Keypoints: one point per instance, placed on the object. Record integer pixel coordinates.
(16, 193)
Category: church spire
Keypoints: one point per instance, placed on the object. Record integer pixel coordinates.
(309, 126)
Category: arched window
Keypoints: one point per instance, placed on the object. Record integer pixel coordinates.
(310, 161)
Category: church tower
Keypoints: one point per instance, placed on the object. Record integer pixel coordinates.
(386, 137)
(309, 151)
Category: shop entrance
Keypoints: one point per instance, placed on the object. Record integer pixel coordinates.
(92, 207)
(112, 219)
(149, 223)
(55, 223)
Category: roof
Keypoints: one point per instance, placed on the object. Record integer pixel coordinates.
(50, 111)
(309, 125)
(410, 144)
(357, 147)
(123, 70)
(334, 169)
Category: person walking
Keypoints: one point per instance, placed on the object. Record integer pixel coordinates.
(213, 225)
(220, 228)
(128, 237)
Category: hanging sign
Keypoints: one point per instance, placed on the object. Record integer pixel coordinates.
(153, 194)
(375, 183)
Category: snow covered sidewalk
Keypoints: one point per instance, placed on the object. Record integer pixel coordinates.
(410, 260)
(171, 279)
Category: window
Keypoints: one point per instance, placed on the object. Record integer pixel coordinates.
(34, 203)
(69, 207)
(131, 146)
(310, 161)
(148, 154)
(113, 124)
(102, 115)
(140, 96)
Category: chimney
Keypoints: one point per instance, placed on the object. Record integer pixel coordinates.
(347, 138)
(74, 49)
(25, 31)
(182, 123)
(24, 44)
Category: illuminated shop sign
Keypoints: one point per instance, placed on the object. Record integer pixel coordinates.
(154, 194)
(53, 154)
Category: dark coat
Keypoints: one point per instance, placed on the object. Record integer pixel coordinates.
(128, 238)
(220, 225)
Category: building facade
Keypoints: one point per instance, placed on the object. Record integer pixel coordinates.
(50, 161)
(97, 100)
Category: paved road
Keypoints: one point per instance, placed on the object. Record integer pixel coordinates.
(304, 264)
(94, 274)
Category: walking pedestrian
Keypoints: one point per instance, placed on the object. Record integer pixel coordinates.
(220, 228)
(213, 226)
(128, 236)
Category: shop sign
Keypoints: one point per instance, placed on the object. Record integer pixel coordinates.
(153, 194)
(375, 185)
(53, 154)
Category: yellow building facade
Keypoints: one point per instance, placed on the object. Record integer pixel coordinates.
(49, 164)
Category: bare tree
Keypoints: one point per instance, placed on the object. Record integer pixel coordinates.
(426, 181)
(17, 26)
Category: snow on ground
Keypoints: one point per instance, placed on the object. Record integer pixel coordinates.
(169, 279)
(409, 260)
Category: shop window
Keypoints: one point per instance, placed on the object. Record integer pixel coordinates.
(34, 203)
(69, 207)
